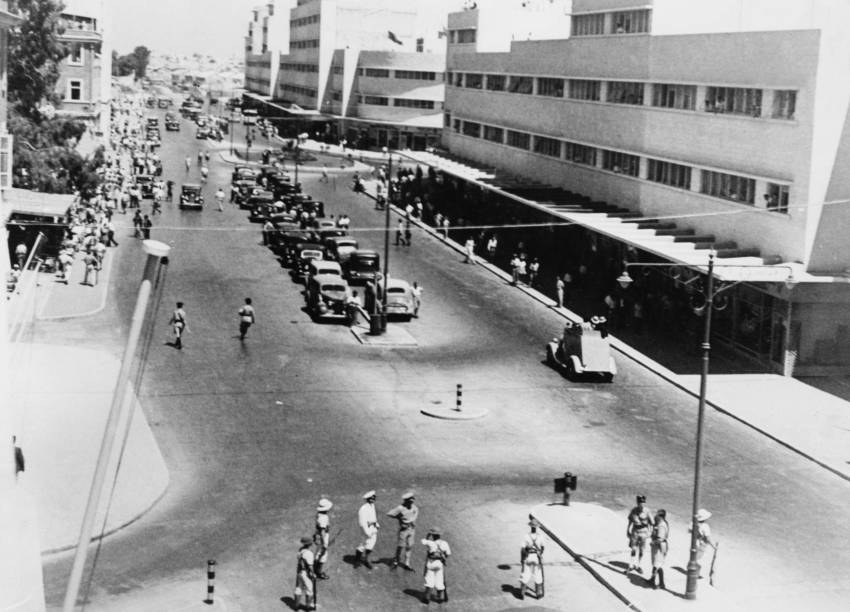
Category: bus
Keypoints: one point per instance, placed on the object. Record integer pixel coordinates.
(249, 116)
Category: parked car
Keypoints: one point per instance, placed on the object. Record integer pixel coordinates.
(327, 296)
(172, 125)
(583, 348)
(202, 133)
(191, 197)
(261, 207)
(341, 247)
(362, 266)
(242, 173)
(323, 267)
(305, 253)
(145, 183)
(283, 241)
(152, 122)
(256, 199)
(400, 300)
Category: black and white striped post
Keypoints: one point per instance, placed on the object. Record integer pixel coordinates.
(459, 398)
(210, 581)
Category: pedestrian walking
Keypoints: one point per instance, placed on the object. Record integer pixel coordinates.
(638, 531)
(658, 546)
(446, 224)
(305, 576)
(324, 178)
(514, 269)
(170, 189)
(219, 198)
(437, 555)
(188, 164)
(110, 234)
(408, 236)
(531, 559)
(178, 325)
(533, 270)
(406, 514)
(90, 261)
(204, 173)
(522, 267)
(147, 224)
(492, 245)
(200, 158)
(207, 157)
(704, 540)
(417, 298)
(246, 318)
(367, 520)
(137, 224)
(321, 537)
(469, 250)
(268, 229)
(559, 291)
(125, 201)
(399, 233)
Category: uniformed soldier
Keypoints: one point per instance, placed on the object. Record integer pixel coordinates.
(704, 538)
(406, 515)
(304, 592)
(638, 532)
(321, 537)
(531, 556)
(367, 519)
(437, 555)
(658, 547)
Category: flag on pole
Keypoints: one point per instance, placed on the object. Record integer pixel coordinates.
(391, 35)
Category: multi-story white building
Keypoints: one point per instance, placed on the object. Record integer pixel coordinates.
(727, 118)
(371, 71)
(85, 76)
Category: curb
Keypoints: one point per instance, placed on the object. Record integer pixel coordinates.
(87, 313)
(447, 414)
(620, 346)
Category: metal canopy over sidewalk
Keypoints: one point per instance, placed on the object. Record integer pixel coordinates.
(655, 235)
(291, 110)
(38, 204)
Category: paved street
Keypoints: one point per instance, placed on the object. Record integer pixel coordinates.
(253, 433)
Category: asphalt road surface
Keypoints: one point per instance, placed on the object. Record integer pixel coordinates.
(255, 432)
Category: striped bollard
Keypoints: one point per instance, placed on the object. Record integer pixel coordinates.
(459, 399)
(210, 581)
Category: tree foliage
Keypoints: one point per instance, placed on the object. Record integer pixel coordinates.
(34, 55)
(135, 62)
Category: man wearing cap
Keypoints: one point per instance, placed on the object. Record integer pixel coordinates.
(406, 515)
(437, 555)
(658, 547)
(531, 556)
(305, 577)
(321, 537)
(367, 519)
(704, 538)
(638, 532)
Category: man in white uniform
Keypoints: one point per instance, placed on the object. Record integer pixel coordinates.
(321, 537)
(438, 552)
(304, 578)
(367, 519)
(531, 556)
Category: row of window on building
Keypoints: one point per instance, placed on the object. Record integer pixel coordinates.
(299, 90)
(612, 22)
(399, 102)
(312, 43)
(415, 75)
(302, 21)
(294, 67)
(731, 100)
(722, 185)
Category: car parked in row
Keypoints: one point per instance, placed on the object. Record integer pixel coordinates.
(327, 296)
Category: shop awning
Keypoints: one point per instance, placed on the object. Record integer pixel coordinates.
(37, 204)
(647, 234)
(432, 121)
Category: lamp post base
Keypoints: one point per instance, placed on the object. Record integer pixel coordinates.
(693, 577)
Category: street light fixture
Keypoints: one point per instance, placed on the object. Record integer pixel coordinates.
(624, 280)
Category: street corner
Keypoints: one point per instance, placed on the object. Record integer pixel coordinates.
(394, 336)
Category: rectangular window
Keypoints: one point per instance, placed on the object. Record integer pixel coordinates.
(550, 87)
(465, 36)
(474, 80)
(75, 57)
(75, 89)
(630, 22)
(588, 25)
(494, 134)
(379, 73)
(416, 75)
(733, 100)
(776, 198)
(520, 140)
(447, 120)
(408, 103)
(547, 146)
(471, 128)
(784, 104)
(521, 84)
(376, 100)
(621, 163)
(682, 97)
(457, 125)
(668, 173)
(624, 92)
(580, 154)
(458, 79)
(496, 82)
(581, 89)
(728, 186)
(5, 161)
(420, 45)
(337, 69)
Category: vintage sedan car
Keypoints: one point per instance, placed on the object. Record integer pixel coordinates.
(341, 247)
(244, 173)
(362, 266)
(202, 133)
(285, 239)
(191, 197)
(262, 206)
(172, 125)
(400, 300)
(145, 182)
(323, 267)
(583, 348)
(306, 252)
(327, 296)
(256, 198)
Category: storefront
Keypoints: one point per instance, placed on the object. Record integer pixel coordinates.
(31, 213)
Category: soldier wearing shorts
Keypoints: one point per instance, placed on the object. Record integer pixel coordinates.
(406, 515)
(658, 547)
(531, 556)
(321, 537)
(437, 555)
(304, 592)
(638, 531)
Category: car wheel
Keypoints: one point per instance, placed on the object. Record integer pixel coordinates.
(608, 377)
(550, 356)
(570, 368)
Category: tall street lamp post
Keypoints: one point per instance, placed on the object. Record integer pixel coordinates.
(230, 129)
(710, 293)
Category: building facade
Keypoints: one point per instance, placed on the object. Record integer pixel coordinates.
(85, 75)
(371, 72)
(721, 118)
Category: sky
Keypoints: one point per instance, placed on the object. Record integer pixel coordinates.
(210, 27)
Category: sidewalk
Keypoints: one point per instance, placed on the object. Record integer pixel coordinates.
(595, 537)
